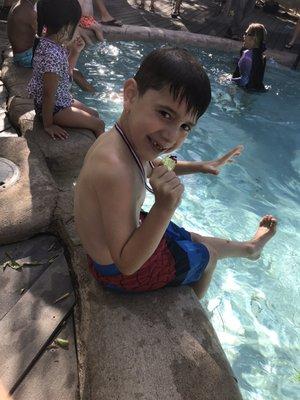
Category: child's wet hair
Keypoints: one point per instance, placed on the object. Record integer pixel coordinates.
(181, 72)
(56, 14)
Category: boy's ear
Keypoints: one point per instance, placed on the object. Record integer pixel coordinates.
(130, 93)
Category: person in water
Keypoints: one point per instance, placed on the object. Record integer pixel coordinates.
(130, 250)
(250, 69)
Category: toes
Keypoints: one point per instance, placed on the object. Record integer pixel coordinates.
(268, 221)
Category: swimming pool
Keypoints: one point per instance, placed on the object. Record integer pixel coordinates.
(254, 307)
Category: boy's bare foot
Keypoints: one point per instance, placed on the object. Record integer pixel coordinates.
(265, 231)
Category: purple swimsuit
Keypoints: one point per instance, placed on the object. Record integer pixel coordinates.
(245, 65)
(50, 57)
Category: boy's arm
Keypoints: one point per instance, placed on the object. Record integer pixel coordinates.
(50, 83)
(131, 245)
(206, 167)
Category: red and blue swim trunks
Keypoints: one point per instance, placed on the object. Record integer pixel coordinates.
(176, 261)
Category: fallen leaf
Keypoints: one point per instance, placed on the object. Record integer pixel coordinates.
(22, 291)
(62, 297)
(63, 343)
(51, 247)
(52, 259)
(12, 263)
(32, 264)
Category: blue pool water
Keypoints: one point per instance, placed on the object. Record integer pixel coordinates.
(254, 306)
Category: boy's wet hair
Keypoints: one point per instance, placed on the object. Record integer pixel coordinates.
(181, 72)
(56, 14)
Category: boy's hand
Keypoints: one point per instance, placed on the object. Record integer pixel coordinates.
(212, 167)
(56, 131)
(167, 188)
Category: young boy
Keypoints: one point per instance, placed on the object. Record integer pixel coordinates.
(21, 29)
(134, 251)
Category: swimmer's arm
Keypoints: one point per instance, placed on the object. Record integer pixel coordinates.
(75, 48)
(50, 83)
(130, 245)
(205, 167)
(245, 66)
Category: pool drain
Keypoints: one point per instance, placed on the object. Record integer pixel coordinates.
(9, 173)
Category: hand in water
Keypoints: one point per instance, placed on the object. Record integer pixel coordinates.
(167, 188)
(212, 167)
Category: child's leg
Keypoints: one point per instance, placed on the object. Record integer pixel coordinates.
(80, 80)
(81, 106)
(222, 248)
(96, 28)
(74, 117)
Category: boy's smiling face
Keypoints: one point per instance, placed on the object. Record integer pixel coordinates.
(156, 123)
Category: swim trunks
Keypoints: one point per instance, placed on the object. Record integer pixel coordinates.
(38, 108)
(87, 22)
(176, 261)
(23, 59)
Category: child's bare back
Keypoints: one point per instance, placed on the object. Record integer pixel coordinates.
(108, 154)
(21, 26)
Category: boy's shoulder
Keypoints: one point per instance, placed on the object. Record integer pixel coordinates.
(104, 163)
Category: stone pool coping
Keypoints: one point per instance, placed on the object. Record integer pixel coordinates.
(149, 34)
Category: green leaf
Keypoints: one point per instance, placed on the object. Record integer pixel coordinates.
(32, 264)
(52, 245)
(62, 298)
(63, 343)
(12, 263)
(296, 377)
(52, 259)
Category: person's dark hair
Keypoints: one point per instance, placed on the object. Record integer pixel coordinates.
(55, 14)
(181, 72)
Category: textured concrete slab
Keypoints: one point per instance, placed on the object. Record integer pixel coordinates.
(4, 121)
(54, 376)
(3, 97)
(9, 132)
(27, 328)
(26, 207)
(15, 283)
(157, 345)
(64, 157)
(15, 78)
(19, 107)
